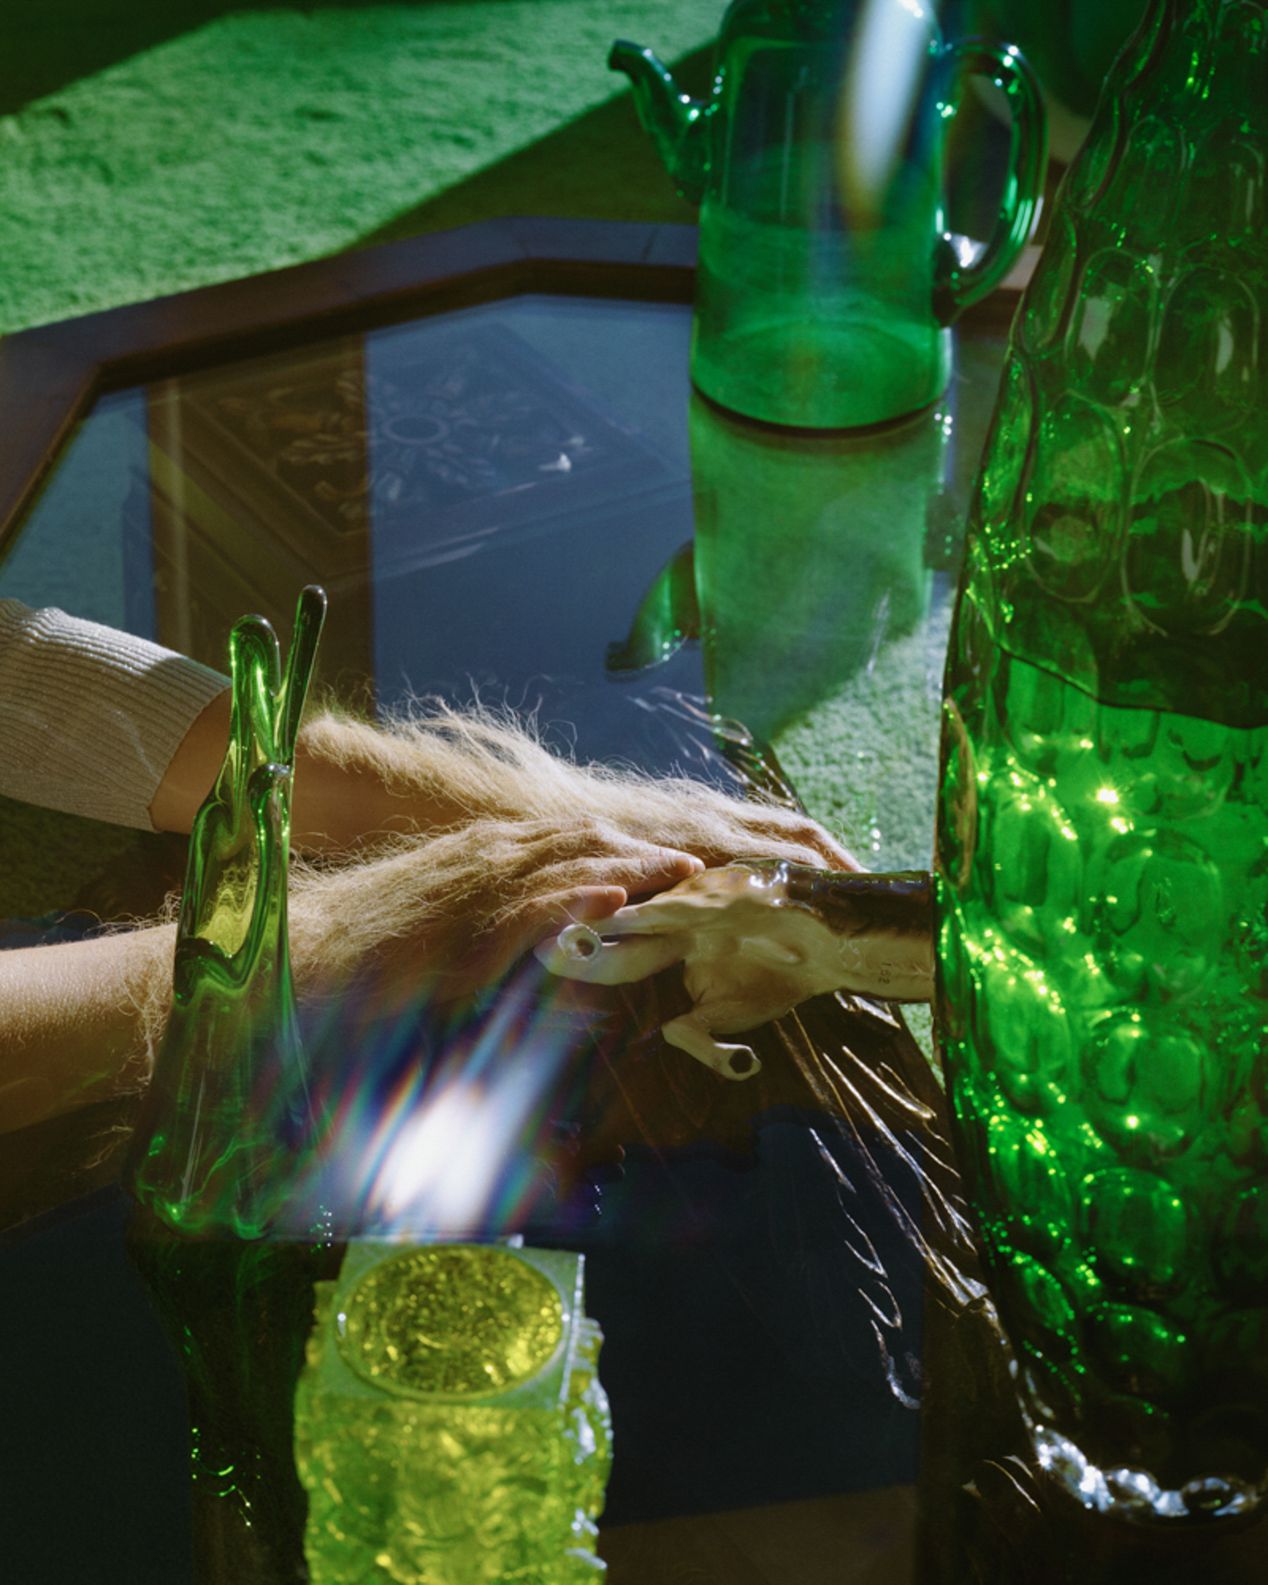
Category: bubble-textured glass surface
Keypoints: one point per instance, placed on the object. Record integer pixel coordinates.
(1103, 831)
(450, 1426)
(452, 1320)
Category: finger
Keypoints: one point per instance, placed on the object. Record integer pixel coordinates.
(597, 839)
(588, 902)
(667, 869)
(648, 871)
(819, 842)
(730, 1061)
(804, 842)
(651, 871)
(812, 855)
(580, 953)
(521, 928)
(657, 916)
(837, 857)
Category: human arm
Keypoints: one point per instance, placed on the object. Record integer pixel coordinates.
(482, 843)
(77, 1021)
(431, 921)
(101, 723)
(436, 770)
(344, 793)
(90, 716)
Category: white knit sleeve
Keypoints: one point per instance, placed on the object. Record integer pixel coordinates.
(90, 717)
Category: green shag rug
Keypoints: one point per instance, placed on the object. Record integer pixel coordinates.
(150, 147)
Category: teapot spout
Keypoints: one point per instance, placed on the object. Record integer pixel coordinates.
(675, 120)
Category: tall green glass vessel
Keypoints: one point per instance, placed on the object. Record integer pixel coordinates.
(1102, 848)
(224, 1134)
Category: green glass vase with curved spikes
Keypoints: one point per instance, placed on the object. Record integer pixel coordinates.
(227, 1127)
(1102, 847)
(230, 1090)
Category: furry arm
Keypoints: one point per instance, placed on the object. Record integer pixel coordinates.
(421, 921)
(432, 772)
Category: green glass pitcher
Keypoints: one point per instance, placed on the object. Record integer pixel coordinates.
(827, 279)
(1102, 843)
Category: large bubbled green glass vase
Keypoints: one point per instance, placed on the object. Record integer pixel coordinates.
(1103, 828)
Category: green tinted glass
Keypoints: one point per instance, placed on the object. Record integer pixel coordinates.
(826, 278)
(1104, 810)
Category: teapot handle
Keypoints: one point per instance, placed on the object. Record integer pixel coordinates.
(957, 285)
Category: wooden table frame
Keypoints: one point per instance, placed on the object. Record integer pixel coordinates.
(51, 375)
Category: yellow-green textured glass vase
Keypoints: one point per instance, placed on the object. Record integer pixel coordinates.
(450, 1427)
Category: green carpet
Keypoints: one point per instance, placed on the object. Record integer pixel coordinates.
(150, 147)
(146, 149)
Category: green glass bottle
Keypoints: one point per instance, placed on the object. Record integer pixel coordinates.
(224, 1135)
(1102, 849)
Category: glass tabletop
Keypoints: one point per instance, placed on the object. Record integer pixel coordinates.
(523, 502)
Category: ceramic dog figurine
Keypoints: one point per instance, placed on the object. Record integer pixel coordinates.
(755, 938)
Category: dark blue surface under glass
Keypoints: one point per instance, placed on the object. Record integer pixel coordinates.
(488, 497)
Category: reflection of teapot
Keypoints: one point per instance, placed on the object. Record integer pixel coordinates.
(826, 277)
(809, 556)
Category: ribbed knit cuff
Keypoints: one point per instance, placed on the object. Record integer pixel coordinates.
(90, 717)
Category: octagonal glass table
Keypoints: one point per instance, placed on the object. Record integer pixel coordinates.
(485, 447)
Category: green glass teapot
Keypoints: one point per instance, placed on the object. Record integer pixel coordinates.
(827, 278)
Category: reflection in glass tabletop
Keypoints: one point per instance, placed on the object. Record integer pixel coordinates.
(522, 501)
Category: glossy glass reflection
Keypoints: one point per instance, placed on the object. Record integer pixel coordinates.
(826, 280)
(1105, 802)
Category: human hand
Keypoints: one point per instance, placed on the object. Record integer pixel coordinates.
(442, 918)
(722, 829)
(754, 940)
